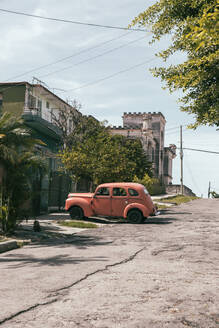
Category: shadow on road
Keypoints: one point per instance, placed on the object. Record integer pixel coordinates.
(159, 220)
(111, 220)
(174, 212)
(19, 260)
(106, 220)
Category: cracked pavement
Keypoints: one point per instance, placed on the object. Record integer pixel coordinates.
(163, 273)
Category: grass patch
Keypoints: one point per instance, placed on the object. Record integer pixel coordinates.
(179, 199)
(162, 207)
(78, 224)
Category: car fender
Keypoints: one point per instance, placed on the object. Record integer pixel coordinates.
(83, 203)
(145, 211)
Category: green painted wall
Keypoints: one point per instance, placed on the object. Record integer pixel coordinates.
(51, 144)
(13, 98)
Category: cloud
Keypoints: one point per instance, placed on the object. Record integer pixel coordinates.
(27, 43)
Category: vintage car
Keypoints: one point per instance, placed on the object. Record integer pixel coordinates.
(128, 200)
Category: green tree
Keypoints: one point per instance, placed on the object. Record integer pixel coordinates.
(193, 26)
(153, 185)
(19, 161)
(68, 119)
(98, 157)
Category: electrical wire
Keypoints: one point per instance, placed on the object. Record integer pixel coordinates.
(110, 76)
(175, 132)
(71, 21)
(97, 81)
(68, 57)
(187, 166)
(175, 127)
(91, 58)
(201, 150)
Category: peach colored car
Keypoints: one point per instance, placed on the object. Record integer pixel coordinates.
(128, 200)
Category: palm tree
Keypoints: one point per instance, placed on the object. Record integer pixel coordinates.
(18, 160)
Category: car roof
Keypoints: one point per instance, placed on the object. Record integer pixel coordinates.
(122, 184)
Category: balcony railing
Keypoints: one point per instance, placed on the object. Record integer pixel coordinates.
(33, 111)
(33, 118)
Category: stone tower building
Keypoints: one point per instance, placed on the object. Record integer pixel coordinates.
(150, 129)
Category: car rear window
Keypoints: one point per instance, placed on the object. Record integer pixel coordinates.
(133, 192)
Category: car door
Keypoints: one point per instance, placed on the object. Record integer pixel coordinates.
(119, 201)
(101, 202)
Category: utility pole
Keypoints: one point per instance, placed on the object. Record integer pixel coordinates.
(181, 160)
(209, 189)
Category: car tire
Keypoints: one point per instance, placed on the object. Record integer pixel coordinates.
(135, 216)
(76, 213)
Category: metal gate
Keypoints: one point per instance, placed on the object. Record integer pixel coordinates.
(59, 187)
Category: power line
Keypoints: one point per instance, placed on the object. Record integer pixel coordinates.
(97, 81)
(175, 127)
(187, 166)
(68, 57)
(71, 21)
(204, 151)
(110, 76)
(174, 132)
(91, 58)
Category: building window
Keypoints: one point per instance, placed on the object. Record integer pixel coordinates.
(32, 102)
(70, 126)
(152, 154)
(47, 104)
(39, 106)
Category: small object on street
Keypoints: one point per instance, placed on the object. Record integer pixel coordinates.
(157, 213)
(36, 226)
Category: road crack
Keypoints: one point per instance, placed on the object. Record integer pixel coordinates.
(27, 310)
(56, 293)
(171, 248)
(130, 258)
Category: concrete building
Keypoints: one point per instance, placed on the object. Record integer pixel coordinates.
(38, 106)
(150, 129)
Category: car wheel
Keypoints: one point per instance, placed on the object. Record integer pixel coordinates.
(76, 213)
(135, 216)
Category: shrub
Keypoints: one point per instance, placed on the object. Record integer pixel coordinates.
(153, 185)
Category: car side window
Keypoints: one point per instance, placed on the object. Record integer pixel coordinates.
(103, 191)
(119, 192)
(133, 192)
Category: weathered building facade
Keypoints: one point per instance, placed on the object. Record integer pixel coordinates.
(150, 129)
(38, 106)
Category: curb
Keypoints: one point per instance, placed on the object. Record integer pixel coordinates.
(8, 245)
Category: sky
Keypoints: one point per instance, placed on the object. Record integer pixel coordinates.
(105, 69)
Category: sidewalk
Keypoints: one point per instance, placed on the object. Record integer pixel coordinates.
(163, 196)
(157, 198)
(50, 230)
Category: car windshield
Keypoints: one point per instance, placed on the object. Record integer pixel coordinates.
(103, 191)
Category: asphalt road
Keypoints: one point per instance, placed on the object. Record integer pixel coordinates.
(163, 273)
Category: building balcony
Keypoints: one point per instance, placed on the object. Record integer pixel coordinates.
(32, 118)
